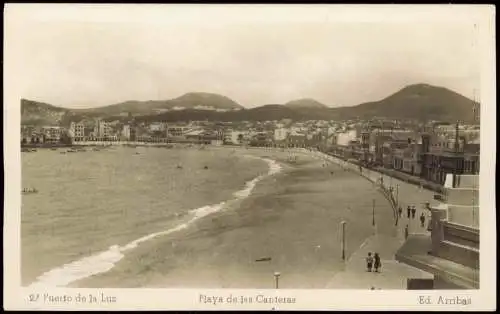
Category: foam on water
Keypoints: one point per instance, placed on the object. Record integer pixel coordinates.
(106, 260)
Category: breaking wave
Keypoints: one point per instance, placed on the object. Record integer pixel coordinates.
(106, 260)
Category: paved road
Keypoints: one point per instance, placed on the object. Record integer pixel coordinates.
(394, 274)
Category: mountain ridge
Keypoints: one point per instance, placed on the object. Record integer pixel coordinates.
(305, 103)
(417, 101)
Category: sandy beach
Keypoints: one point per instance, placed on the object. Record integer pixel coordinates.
(291, 220)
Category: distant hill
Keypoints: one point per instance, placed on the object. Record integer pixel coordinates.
(305, 103)
(214, 101)
(263, 113)
(39, 113)
(204, 101)
(420, 102)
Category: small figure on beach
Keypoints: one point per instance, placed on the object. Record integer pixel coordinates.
(377, 265)
(422, 220)
(408, 211)
(206, 167)
(400, 211)
(331, 173)
(406, 232)
(369, 262)
(413, 211)
(179, 167)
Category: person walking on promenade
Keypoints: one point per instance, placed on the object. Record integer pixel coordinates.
(369, 262)
(377, 263)
(413, 211)
(408, 211)
(400, 211)
(422, 220)
(406, 232)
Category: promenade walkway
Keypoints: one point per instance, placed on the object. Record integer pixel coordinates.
(384, 242)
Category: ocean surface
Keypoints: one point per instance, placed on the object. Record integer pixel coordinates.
(94, 206)
(191, 218)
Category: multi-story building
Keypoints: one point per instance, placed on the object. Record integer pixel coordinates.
(158, 126)
(126, 132)
(177, 130)
(344, 138)
(133, 133)
(451, 251)
(77, 131)
(102, 129)
(436, 164)
(280, 134)
(52, 134)
(296, 139)
(407, 159)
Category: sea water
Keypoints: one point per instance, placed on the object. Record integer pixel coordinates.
(95, 206)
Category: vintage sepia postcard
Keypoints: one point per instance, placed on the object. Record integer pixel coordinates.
(266, 157)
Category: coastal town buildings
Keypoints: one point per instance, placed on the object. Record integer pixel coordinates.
(158, 126)
(177, 130)
(451, 251)
(344, 138)
(77, 131)
(52, 134)
(428, 152)
(126, 132)
(280, 134)
(102, 129)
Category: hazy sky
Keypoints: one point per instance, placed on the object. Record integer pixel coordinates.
(86, 57)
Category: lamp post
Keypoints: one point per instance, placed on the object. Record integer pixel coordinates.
(276, 279)
(342, 227)
(397, 194)
(373, 212)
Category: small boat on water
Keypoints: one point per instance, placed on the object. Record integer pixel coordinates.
(72, 150)
(53, 148)
(29, 190)
(33, 150)
(25, 150)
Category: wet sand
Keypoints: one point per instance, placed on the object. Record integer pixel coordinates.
(291, 218)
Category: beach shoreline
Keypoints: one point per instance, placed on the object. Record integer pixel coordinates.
(268, 221)
(104, 261)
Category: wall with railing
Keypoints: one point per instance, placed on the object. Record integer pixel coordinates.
(462, 199)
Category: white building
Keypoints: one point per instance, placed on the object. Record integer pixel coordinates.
(102, 129)
(158, 126)
(126, 131)
(281, 134)
(77, 131)
(344, 138)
